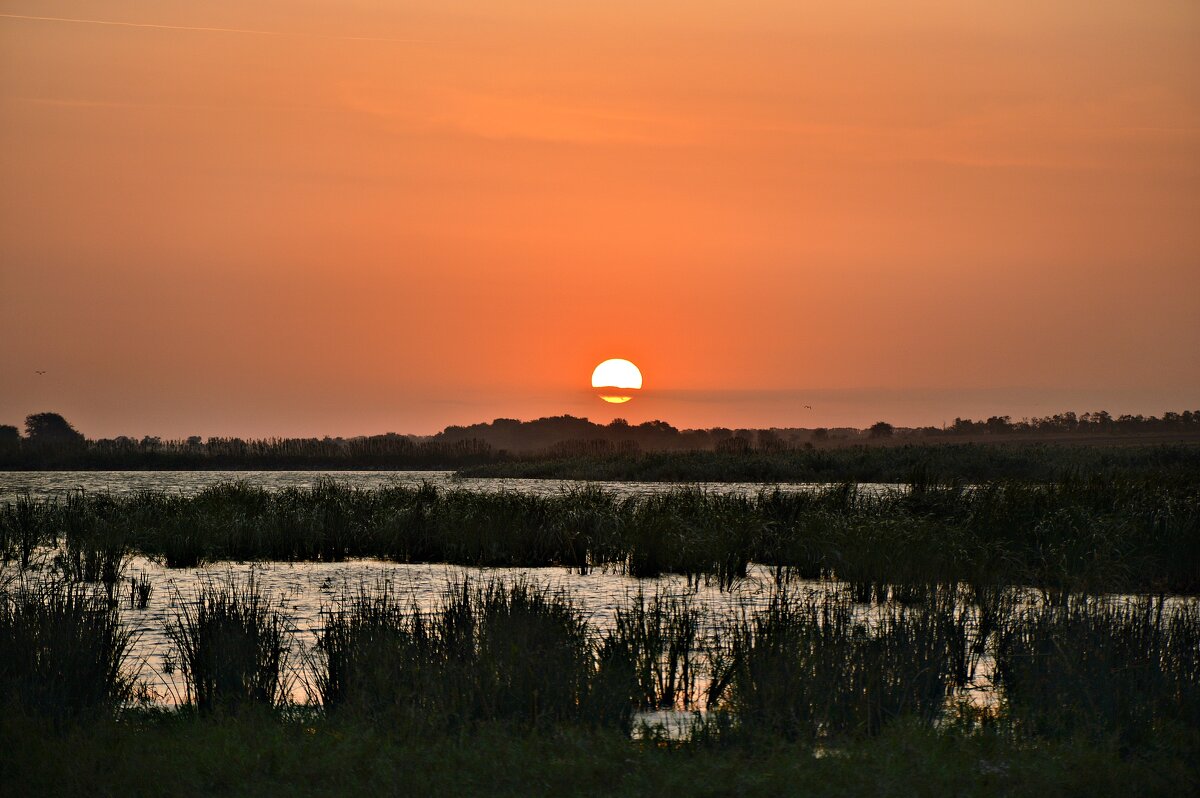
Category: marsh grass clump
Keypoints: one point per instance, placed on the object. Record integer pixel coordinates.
(657, 641)
(690, 531)
(812, 668)
(25, 524)
(378, 656)
(535, 653)
(232, 647)
(140, 588)
(62, 652)
(515, 653)
(1092, 667)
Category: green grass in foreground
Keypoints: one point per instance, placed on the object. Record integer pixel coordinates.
(256, 755)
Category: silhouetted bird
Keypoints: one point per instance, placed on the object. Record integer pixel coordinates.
(39, 372)
(808, 407)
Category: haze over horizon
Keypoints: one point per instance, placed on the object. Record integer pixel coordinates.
(277, 218)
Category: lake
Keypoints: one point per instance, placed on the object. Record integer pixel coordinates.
(302, 590)
(44, 484)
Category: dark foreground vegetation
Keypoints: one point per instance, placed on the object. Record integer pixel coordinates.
(262, 755)
(970, 462)
(506, 688)
(930, 592)
(1096, 534)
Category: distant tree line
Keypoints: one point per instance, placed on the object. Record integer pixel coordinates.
(1098, 421)
(50, 441)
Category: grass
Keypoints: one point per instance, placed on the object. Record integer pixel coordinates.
(63, 652)
(812, 669)
(140, 590)
(232, 647)
(516, 653)
(1080, 534)
(657, 641)
(504, 688)
(970, 462)
(256, 755)
(817, 667)
(23, 527)
(1089, 667)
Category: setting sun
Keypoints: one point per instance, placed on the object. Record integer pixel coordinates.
(617, 379)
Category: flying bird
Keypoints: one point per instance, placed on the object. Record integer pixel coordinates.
(39, 372)
(808, 407)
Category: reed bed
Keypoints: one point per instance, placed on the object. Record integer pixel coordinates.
(232, 647)
(1043, 461)
(815, 668)
(1084, 534)
(63, 652)
(656, 642)
(1091, 667)
(516, 652)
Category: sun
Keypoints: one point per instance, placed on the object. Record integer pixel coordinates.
(617, 380)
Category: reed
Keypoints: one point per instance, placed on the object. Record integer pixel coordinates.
(815, 669)
(95, 548)
(1043, 461)
(811, 668)
(515, 653)
(658, 640)
(24, 525)
(1099, 668)
(232, 647)
(1082, 534)
(140, 589)
(63, 652)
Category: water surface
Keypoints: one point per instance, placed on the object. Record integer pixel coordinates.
(44, 484)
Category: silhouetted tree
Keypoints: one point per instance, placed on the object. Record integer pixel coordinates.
(881, 429)
(51, 429)
(999, 424)
(10, 438)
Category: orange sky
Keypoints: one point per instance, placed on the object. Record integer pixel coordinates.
(364, 216)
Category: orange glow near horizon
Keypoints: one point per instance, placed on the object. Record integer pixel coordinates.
(266, 218)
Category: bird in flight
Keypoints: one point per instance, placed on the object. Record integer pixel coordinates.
(808, 407)
(39, 372)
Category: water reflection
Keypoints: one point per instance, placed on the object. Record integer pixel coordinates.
(43, 484)
(300, 591)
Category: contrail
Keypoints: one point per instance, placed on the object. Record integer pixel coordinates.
(203, 29)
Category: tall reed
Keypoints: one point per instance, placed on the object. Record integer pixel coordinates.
(232, 647)
(1092, 533)
(1128, 668)
(515, 652)
(63, 651)
(24, 524)
(807, 668)
(659, 639)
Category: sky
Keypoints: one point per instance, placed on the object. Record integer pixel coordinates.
(302, 217)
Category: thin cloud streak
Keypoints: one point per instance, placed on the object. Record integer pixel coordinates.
(206, 29)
